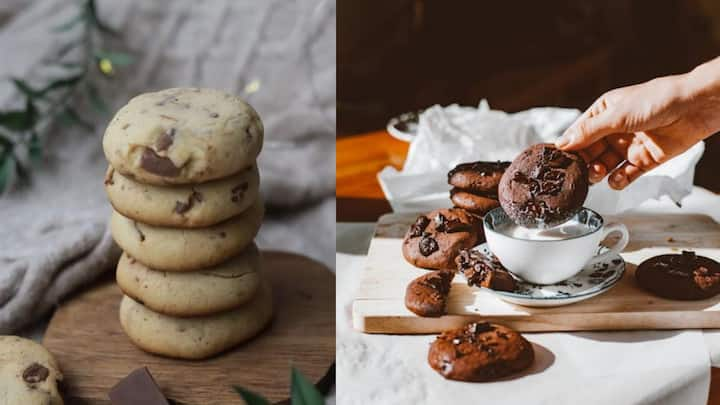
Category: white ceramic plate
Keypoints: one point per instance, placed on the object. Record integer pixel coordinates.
(594, 279)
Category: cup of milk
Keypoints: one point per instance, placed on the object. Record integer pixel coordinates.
(548, 256)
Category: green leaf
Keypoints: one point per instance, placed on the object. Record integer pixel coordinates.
(250, 397)
(71, 117)
(60, 83)
(116, 58)
(24, 88)
(95, 100)
(71, 23)
(302, 391)
(19, 120)
(7, 162)
(35, 148)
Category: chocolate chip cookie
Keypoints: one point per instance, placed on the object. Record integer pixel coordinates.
(685, 276)
(480, 272)
(183, 136)
(480, 351)
(544, 186)
(29, 373)
(427, 295)
(475, 203)
(478, 177)
(435, 238)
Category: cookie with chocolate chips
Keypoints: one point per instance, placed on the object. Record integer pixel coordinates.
(475, 203)
(219, 288)
(479, 271)
(427, 295)
(685, 276)
(435, 238)
(480, 351)
(185, 206)
(544, 186)
(29, 373)
(478, 177)
(183, 136)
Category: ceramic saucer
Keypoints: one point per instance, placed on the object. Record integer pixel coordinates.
(594, 279)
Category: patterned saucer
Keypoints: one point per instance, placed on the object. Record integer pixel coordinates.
(595, 278)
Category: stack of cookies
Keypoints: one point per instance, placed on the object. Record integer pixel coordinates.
(475, 185)
(184, 185)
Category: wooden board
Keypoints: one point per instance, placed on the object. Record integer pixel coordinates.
(379, 305)
(86, 338)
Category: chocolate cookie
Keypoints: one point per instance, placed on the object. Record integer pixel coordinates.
(683, 276)
(435, 238)
(544, 186)
(475, 203)
(480, 351)
(481, 177)
(427, 295)
(480, 272)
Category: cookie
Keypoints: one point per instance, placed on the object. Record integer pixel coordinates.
(435, 238)
(183, 136)
(544, 186)
(220, 288)
(427, 295)
(480, 272)
(198, 337)
(178, 249)
(683, 276)
(480, 351)
(477, 204)
(480, 177)
(29, 374)
(184, 206)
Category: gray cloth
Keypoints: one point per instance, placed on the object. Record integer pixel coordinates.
(53, 234)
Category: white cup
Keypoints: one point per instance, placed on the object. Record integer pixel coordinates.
(549, 261)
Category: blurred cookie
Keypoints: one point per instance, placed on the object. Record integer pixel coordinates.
(182, 136)
(197, 337)
(427, 295)
(481, 177)
(683, 276)
(223, 287)
(186, 206)
(480, 352)
(544, 186)
(480, 272)
(180, 249)
(29, 373)
(435, 238)
(477, 204)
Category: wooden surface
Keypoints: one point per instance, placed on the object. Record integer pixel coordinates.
(379, 304)
(86, 338)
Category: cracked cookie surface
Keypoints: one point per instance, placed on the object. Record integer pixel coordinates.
(187, 206)
(183, 136)
(223, 287)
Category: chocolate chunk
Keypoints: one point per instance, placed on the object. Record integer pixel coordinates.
(165, 139)
(239, 191)
(138, 388)
(214, 115)
(140, 234)
(417, 229)
(35, 373)
(183, 207)
(428, 245)
(156, 164)
(109, 177)
(480, 271)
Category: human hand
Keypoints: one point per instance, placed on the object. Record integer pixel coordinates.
(631, 130)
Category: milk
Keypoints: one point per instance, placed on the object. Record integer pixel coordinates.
(567, 230)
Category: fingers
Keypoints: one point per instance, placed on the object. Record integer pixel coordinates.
(624, 175)
(589, 128)
(604, 164)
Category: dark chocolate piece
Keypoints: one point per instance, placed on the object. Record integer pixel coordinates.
(685, 276)
(138, 388)
(35, 373)
(156, 164)
(165, 140)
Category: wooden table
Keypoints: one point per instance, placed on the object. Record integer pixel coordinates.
(360, 199)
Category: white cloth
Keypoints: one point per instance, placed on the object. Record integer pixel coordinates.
(638, 367)
(450, 135)
(53, 235)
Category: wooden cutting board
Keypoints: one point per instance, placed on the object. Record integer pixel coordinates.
(379, 305)
(94, 354)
